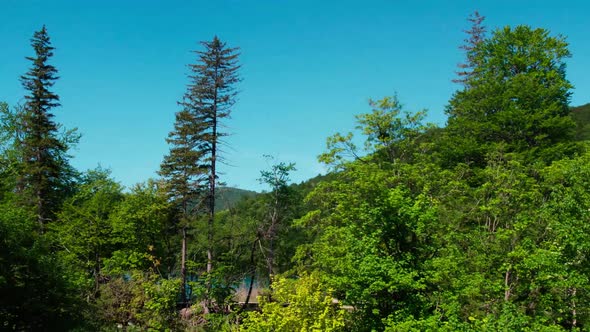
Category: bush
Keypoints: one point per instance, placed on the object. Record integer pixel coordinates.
(297, 305)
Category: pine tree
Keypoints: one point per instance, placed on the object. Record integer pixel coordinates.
(184, 176)
(211, 96)
(191, 168)
(475, 36)
(44, 164)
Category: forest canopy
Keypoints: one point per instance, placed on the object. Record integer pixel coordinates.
(482, 224)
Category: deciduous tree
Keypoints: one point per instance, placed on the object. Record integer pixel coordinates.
(517, 96)
(278, 179)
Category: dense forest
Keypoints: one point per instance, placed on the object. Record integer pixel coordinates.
(479, 225)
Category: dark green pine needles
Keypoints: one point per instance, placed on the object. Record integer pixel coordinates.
(190, 170)
(44, 159)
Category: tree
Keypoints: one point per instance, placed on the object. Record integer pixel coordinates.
(210, 97)
(141, 301)
(475, 36)
(278, 179)
(391, 135)
(10, 153)
(84, 229)
(371, 229)
(298, 305)
(517, 96)
(45, 162)
(370, 226)
(184, 176)
(191, 167)
(11, 133)
(35, 292)
(143, 232)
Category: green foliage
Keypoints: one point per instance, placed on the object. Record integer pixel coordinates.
(104, 234)
(228, 197)
(390, 135)
(190, 169)
(10, 135)
(303, 304)
(140, 302)
(44, 170)
(10, 127)
(83, 229)
(581, 116)
(517, 95)
(369, 225)
(509, 319)
(372, 234)
(143, 232)
(479, 226)
(277, 178)
(388, 131)
(35, 292)
(181, 168)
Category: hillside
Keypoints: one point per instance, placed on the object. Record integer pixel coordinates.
(581, 115)
(227, 197)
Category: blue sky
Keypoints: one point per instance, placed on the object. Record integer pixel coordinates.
(307, 68)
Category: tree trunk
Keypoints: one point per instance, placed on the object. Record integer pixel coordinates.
(506, 285)
(212, 178)
(96, 274)
(574, 313)
(39, 194)
(183, 269)
(40, 209)
(270, 260)
(252, 276)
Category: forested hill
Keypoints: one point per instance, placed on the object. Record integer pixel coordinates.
(227, 197)
(581, 115)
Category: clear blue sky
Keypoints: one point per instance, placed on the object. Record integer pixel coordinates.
(308, 67)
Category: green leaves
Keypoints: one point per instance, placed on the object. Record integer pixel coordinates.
(517, 95)
(390, 135)
(370, 229)
(386, 128)
(143, 301)
(483, 225)
(303, 304)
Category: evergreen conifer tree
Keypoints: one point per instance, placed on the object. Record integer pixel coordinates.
(191, 168)
(184, 176)
(476, 34)
(211, 96)
(44, 159)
